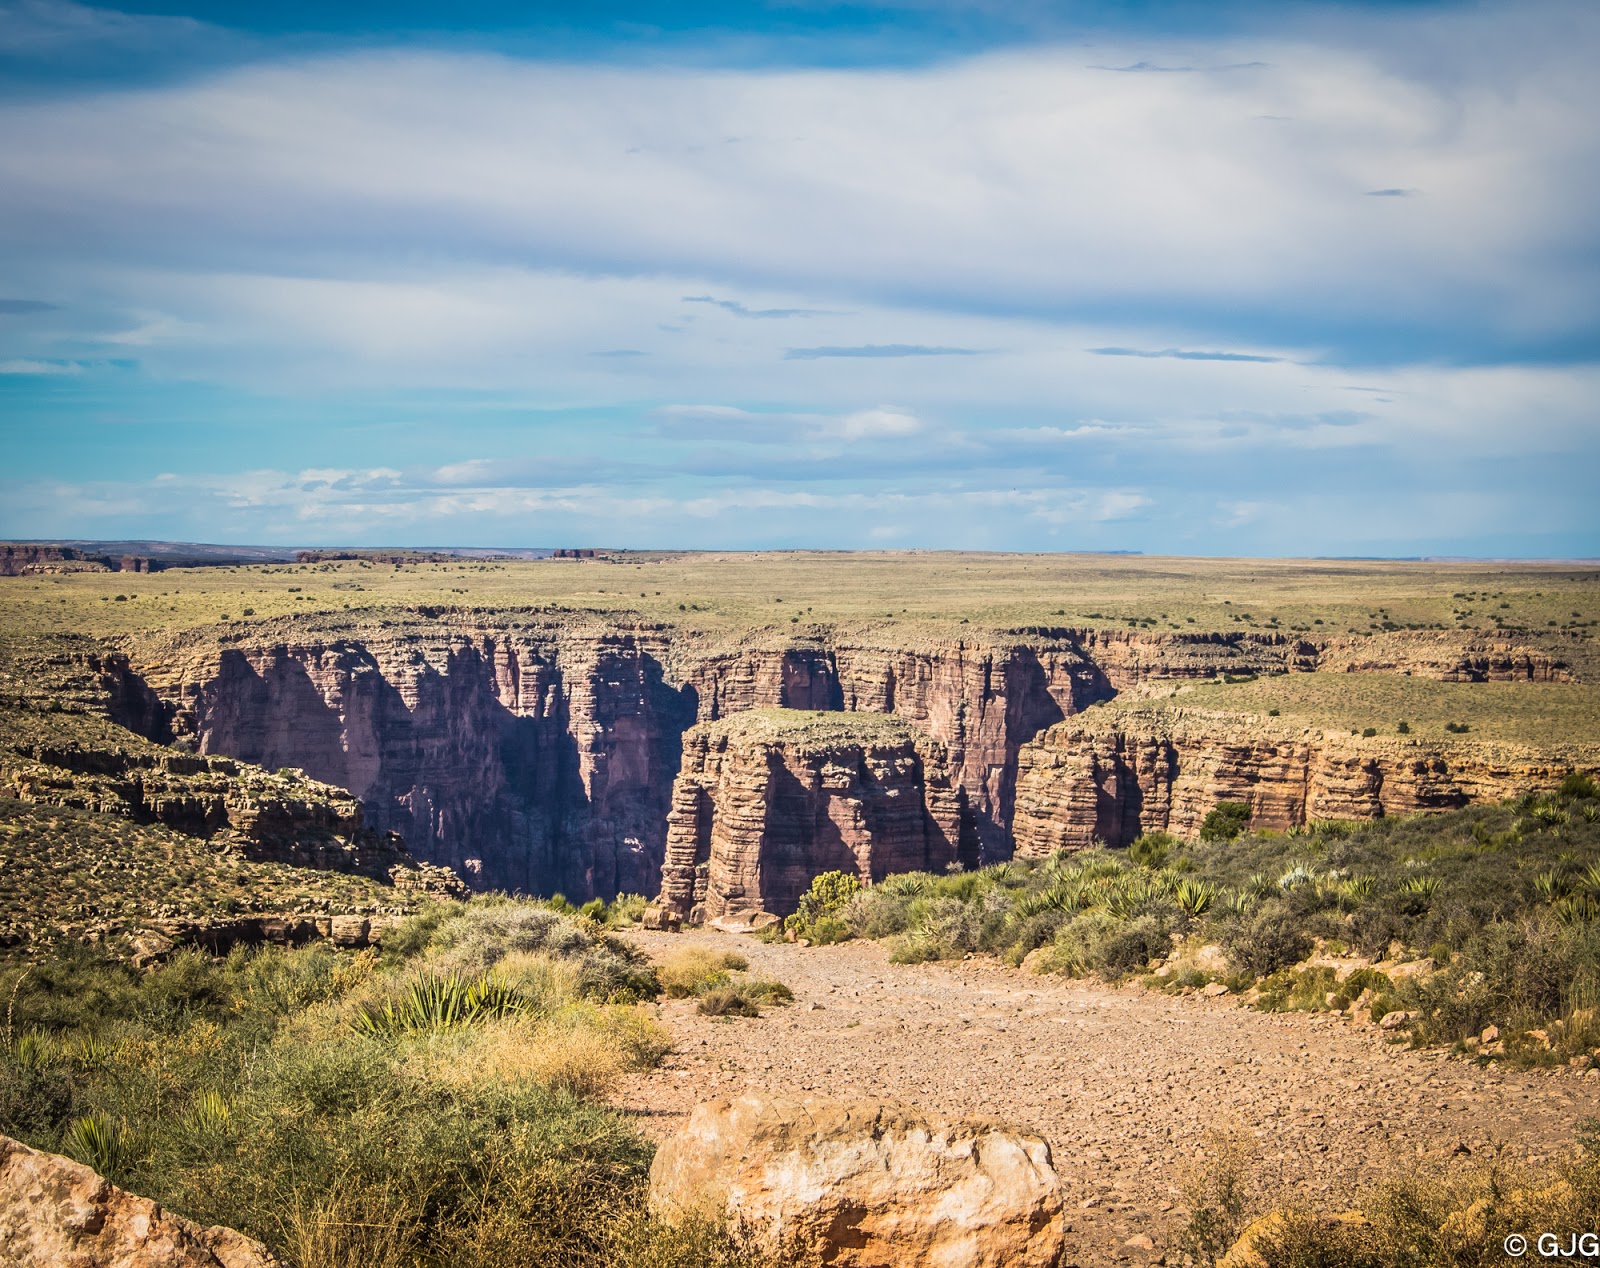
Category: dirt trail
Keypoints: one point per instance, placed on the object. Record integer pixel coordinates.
(1125, 1084)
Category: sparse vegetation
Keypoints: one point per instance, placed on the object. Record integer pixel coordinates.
(399, 1109)
(1495, 909)
(1417, 1216)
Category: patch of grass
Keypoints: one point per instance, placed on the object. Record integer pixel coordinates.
(248, 1091)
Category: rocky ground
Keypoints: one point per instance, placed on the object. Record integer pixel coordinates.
(1129, 1087)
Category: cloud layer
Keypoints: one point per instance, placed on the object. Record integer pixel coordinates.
(1166, 293)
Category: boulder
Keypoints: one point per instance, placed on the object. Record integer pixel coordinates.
(866, 1184)
(57, 1213)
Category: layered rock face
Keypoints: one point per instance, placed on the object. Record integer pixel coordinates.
(767, 800)
(536, 750)
(56, 1213)
(540, 755)
(528, 757)
(865, 1184)
(1111, 780)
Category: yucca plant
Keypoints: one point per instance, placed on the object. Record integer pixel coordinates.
(433, 1002)
(210, 1110)
(1355, 889)
(1421, 886)
(1195, 897)
(1576, 909)
(97, 1142)
(1062, 896)
(1551, 885)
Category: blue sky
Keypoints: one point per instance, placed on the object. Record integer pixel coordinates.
(1178, 278)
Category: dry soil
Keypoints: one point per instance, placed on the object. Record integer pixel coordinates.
(1130, 1087)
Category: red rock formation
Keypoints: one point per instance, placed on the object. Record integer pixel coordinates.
(767, 800)
(1108, 780)
(533, 757)
(536, 750)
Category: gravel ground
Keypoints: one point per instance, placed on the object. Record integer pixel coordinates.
(1127, 1085)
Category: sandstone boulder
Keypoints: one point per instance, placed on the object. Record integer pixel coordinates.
(56, 1213)
(865, 1184)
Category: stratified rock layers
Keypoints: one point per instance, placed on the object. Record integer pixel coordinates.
(536, 750)
(768, 800)
(1109, 780)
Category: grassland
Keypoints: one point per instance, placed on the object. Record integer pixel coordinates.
(1323, 598)
(1545, 715)
(808, 730)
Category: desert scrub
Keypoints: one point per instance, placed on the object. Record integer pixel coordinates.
(245, 1091)
(1434, 1217)
(692, 970)
(743, 997)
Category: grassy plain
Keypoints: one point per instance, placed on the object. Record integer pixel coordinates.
(761, 589)
(1547, 715)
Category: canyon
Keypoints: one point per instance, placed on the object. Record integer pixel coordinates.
(539, 749)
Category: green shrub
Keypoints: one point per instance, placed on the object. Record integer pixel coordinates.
(828, 929)
(1267, 939)
(1226, 821)
(1151, 849)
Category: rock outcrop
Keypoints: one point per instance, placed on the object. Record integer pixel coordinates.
(768, 799)
(1111, 778)
(57, 1213)
(865, 1184)
(536, 749)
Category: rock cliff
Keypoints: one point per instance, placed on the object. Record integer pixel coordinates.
(535, 749)
(1110, 778)
(768, 799)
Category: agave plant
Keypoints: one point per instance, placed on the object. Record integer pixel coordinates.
(1259, 885)
(1297, 876)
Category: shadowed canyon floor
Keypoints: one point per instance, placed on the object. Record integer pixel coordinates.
(1128, 1086)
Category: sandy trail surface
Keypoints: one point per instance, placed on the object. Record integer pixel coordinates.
(1128, 1086)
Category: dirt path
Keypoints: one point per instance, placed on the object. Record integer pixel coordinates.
(1125, 1084)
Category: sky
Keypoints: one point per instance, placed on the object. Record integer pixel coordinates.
(1183, 278)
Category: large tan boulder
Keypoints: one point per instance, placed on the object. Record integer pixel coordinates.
(863, 1184)
(56, 1213)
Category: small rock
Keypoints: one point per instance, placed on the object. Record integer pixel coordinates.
(813, 1007)
(1140, 1241)
(1490, 1034)
(1394, 1020)
(1214, 989)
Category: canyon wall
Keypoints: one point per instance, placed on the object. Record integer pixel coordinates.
(767, 800)
(1114, 778)
(536, 749)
